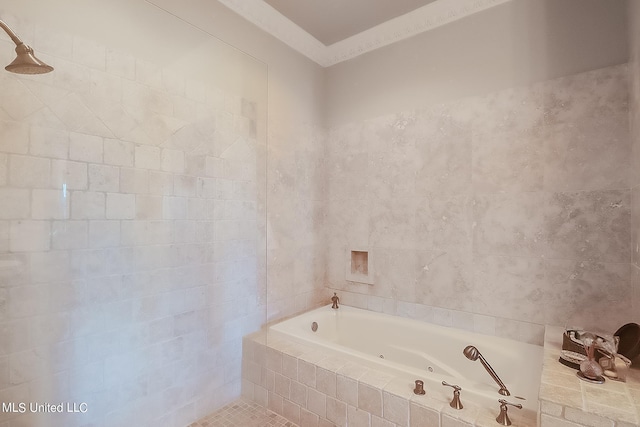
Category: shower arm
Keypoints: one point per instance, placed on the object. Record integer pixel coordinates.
(11, 34)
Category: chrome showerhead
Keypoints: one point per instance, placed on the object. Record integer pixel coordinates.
(25, 62)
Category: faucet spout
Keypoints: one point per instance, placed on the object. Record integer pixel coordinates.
(335, 300)
(473, 353)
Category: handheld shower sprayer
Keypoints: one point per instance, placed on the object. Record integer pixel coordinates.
(473, 354)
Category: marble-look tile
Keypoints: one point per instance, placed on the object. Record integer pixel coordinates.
(421, 416)
(337, 412)
(634, 127)
(588, 155)
(392, 174)
(311, 179)
(445, 279)
(593, 95)
(508, 162)
(396, 271)
(347, 138)
(348, 175)
(370, 399)
(623, 417)
(348, 222)
(310, 221)
(605, 397)
(511, 110)
(444, 161)
(281, 174)
(635, 279)
(510, 287)
(357, 417)
(509, 224)
(335, 270)
(580, 289)
(396, 409)
(560, 395)
(635, 225)
(281, 235)
(390, 133)
(444, 222)
(392, 223)
(532, 333)
(590, 225)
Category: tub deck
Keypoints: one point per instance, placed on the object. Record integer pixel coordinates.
(310, 384)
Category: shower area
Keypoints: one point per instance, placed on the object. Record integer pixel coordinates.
(132, 216)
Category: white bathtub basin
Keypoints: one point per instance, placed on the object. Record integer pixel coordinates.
(419, 350)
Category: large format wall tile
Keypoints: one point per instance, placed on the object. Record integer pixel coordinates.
(590, 225)
(508, 162)
(635, 225)
(635, 280)
(588, 155)
(444, 222)
(520, 202)
(509, 224)
(592, 96)
(594, 292)
(392, 223)
(444, 160)
(510, 287)
(511, 110)
(445, 279)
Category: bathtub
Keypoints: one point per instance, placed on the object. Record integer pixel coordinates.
(417, 350)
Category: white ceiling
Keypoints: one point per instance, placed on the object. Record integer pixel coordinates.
(328, 32)
(330, 21)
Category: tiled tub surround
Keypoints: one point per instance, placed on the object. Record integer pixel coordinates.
(566, 401)
(499, 213)
(429, 352)
(128, 238)
(634, 114)
(314, 385)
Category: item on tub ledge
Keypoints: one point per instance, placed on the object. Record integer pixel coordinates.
(616, 368)
(590, 370)
(455, 402)
(419, 387)
(573, 352)
(629, 345)
(503, 417)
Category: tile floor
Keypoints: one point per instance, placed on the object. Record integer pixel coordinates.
(242, 413)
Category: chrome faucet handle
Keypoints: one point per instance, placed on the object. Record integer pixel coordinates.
(503, 418)
(455, 402)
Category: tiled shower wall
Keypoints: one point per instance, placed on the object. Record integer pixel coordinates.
(634, 104)
(499, 213)
(129, 256)
(296, 211)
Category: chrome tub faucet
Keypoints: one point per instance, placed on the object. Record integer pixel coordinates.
(335, 300)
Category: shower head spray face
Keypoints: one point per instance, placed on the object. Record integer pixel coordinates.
(25, 62)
